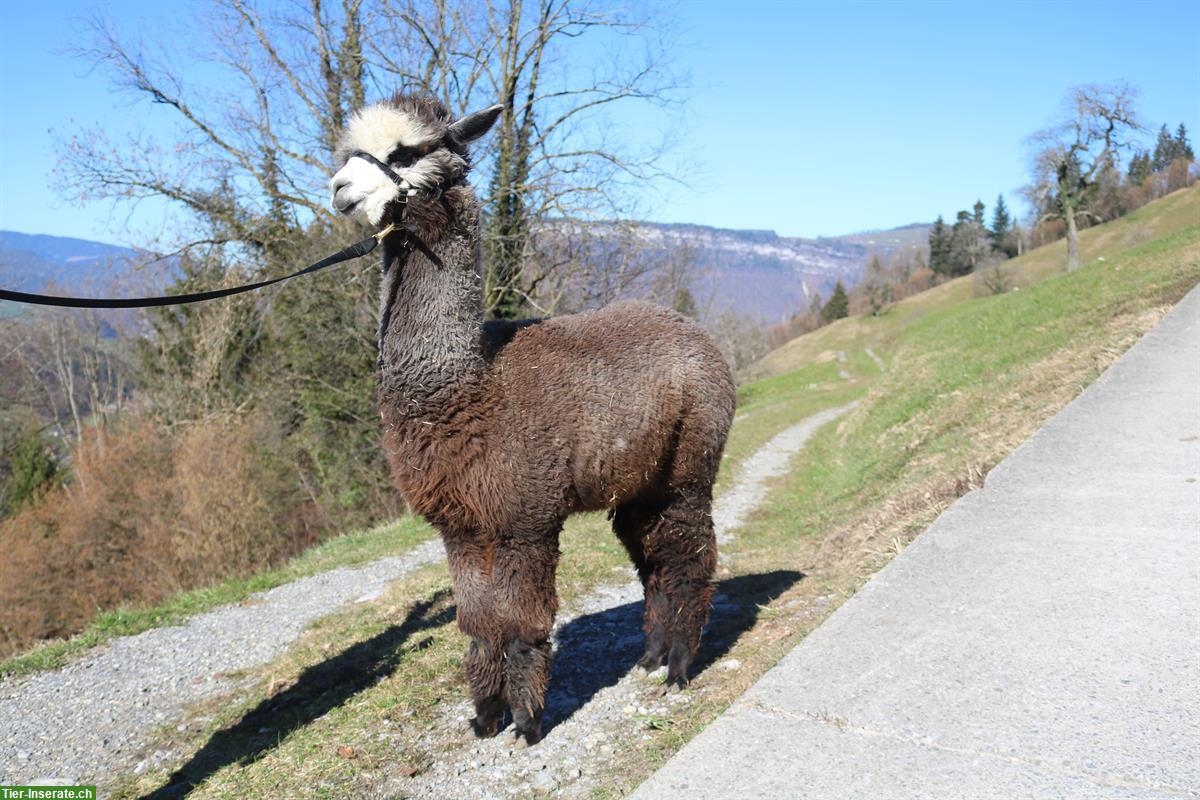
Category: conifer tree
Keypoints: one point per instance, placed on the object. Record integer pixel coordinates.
(977, 213)
(838, 305)
(939, 245)
(1001, 223)
(968, 242)
(685, 303)
(1164, 150)
(1139, 168)
(1183, 149)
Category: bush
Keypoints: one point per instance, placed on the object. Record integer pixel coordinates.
(993, 278)
(148, 515)
(918, 281)
(27, 468)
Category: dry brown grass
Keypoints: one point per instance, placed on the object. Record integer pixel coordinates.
(145, 516)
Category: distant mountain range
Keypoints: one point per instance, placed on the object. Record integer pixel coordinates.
(762, 274)
(31, 262)
(750, 272)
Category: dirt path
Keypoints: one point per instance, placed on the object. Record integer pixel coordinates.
(841, 366)
(95, 716)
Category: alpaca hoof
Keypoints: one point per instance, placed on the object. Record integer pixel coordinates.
(524, 737)
(651, 672)
(484, 729)
(670, 688)
(487, 717)
(650, 662)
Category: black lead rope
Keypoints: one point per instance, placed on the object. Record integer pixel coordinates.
(356, 250)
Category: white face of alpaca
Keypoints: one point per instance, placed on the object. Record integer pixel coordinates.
(361, 188)
(418, 153)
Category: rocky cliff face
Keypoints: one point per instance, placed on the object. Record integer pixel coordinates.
(764, 275)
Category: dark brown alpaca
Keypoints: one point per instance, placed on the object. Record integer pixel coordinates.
(497, 431)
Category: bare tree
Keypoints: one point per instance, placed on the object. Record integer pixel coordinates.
(742, 341)
(248, 170)
(1070, 157)
(65, 367)
(249, 163)
(554, 155)
(877, 289)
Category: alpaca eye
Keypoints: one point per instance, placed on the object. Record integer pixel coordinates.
(402, 156)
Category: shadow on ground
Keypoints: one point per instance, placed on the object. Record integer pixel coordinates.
(596, 650)
(319, 689)
(593, 651)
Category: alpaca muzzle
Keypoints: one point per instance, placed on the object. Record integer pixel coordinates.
(351, 193)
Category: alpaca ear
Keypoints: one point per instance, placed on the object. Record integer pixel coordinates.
(472, 126)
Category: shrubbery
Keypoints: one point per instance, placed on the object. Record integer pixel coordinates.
(146, 515)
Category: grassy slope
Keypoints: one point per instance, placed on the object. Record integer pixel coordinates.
(967, 380)
(1155, 220)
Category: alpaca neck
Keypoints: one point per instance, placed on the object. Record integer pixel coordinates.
(429, 343)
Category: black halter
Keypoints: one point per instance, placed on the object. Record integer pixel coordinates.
(406, 189)
(384, 168)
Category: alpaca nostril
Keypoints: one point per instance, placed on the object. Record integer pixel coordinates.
(340, 201)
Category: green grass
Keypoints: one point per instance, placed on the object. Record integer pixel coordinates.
(982, 373)
(348, 550)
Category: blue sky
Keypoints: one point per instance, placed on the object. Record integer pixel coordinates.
(806, 118)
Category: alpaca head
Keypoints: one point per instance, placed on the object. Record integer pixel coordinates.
(419, 141)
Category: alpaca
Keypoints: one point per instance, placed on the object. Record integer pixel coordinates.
(496, 431)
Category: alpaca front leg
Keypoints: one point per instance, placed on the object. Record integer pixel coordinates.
(474, 593)
(527, 601)
(485, 676)
(527, 677)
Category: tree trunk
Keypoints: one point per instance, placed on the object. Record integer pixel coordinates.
(1072, 240)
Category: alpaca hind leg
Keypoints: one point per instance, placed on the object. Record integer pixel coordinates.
(526, 602)
(632, 522)
(682, 550)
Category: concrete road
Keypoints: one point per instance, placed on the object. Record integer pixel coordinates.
(1041, 639)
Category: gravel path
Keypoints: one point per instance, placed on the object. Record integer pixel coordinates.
(93, 717)
(878, 361)
(771, 461)
(841, 366)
